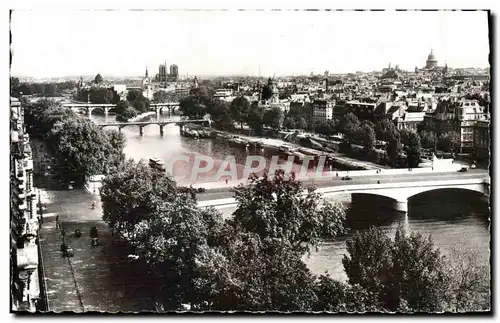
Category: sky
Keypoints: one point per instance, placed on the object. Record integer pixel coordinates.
(122, 43)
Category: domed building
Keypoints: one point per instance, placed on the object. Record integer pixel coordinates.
(431, 62)
(431, 65)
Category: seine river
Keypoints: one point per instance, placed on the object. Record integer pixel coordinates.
(452, 218)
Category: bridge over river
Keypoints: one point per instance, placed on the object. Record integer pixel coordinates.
(379, 191)
(161, 124)
(107, 107)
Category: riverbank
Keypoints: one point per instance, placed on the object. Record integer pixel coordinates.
(337, 158)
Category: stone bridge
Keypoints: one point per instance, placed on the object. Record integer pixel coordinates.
(393, 195)
(106, 107)
(161, 124)
(89, 107)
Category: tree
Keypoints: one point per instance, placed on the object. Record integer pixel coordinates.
(289, 123)
(427, 139)
(165, 227)
(334, 297)
(406, 274)
(255, 117)
(276, 208)
(194, 106)
(98, 79)
(384, 129)
(273, 117)
(239, 109)
(257, 274)
(39, 117)
(121, 107)
(131, 193)
(349, 126)
(393, 147)
(141, 106)
(79, 149)
(127, 114)
(368, 135)
(220, 113)
(418, 272)
(449, 141)
(369, 262)
(160, 97)
(301, 123)
(468, 286)
(324, 127)
(134, 95)
(412, 149)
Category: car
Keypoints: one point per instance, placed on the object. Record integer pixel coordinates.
(346, 178)
(463, 170)
(473, 166)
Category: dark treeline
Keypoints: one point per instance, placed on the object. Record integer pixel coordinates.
(40, 89)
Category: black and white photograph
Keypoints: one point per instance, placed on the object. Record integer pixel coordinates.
(250, 161)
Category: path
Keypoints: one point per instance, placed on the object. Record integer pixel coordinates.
(97, 278)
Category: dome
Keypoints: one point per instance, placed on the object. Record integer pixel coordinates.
(431, 57)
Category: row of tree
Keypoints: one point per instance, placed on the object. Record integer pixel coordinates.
(254, 260)
(41, 89)
(78, 147)
(97, 95)
(224, 115)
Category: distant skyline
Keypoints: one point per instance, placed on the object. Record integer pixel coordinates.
(117, 43)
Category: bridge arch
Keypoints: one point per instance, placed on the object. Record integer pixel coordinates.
(472, 190)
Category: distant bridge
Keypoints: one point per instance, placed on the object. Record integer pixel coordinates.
(106, 107)
(392, 195)
(142, 124)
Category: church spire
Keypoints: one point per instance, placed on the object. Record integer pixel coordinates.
(146, 71)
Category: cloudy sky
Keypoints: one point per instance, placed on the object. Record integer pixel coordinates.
(122, 43)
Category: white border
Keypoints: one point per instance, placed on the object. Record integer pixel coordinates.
(186, 4)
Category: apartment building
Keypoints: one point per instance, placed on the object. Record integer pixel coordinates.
(24, 222)
(482, 139)
(467, 113)
(322, 110)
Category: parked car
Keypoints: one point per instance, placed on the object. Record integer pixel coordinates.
(463, 170)
(473, 166)
(346, 178)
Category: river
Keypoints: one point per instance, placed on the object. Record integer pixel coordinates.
(452, 218)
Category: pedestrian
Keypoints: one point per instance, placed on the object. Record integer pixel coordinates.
(93, 205)
(226, 180)
(337, 174)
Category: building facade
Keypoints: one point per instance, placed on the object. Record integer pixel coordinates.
(468, 113)
(410, 121)
(24, 221)
(482, 139)
(322, 110)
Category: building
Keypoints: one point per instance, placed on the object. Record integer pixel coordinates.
(362, 110)
(467, 114)
(409, 121)
(322, 110)
(24, 222)
(162, 73)
(482, 139)
(174, 72)
(163, 76)
(431, 61)
(223, 93)
(431, 65)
